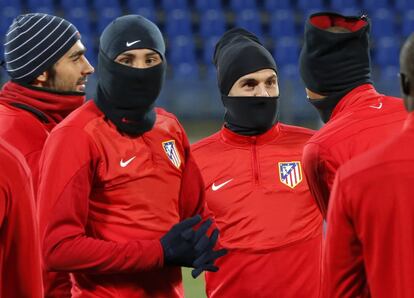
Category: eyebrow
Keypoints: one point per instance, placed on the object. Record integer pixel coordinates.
(77, 53)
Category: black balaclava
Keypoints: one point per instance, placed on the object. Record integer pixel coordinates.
(334, 63)
(126, 95)
(238, 53)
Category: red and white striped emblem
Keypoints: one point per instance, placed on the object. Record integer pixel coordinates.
(171, 151)
(290, 173)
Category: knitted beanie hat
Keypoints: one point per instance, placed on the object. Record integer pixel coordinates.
(34, 42)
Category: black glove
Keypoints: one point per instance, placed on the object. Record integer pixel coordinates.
(179, 242)
(205, 261)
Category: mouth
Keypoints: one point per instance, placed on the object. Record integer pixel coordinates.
(81, 85)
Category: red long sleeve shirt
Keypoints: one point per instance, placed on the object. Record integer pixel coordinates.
(27, 115)
(370, 236)
(361, 120)
(106, 199)
(266, 215)
(20, 262)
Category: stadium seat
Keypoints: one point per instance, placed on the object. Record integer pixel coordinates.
(272, 5)
(169, 5)
(187, 71)
(204, 5)
(208, 47)
(371, 5)
(70, 4)
(286, 50)
(239, 5)
(407, 23)
(80, 18)
(387, 52)
(337, 5)
(212, 23)
(45, 6)
(404, 5)
(249, 19)
(134, 5)
(181, 50)
(282, 23)
(308, 5)
(178, 22)
(105, 16)
(383, 23)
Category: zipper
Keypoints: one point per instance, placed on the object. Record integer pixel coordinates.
(255, 164)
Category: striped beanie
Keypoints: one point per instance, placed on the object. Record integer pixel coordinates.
(34, 42)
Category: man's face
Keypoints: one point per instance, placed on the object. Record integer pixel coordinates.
(70, 72)
(139, 58)
(260, 83)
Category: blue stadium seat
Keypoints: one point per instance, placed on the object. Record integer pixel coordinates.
(212, 23)
(105, 16)
(7, 15)
(178, 22)
(204, 5)
(249, 19)
(239, 5)
(387, 52)
(383, 23)
(10, 5)
(272, 5)
(408, 23)
(169, 5)
(181, 50)
(134, 5)
(282, 23)
(404, 4)
(342, 4)
(352, 11)
(146, 12)
(371, 5)
(286, 50)
(80, 18)
(308, 5)
(208, 47)
(45, 6)
(104, 4)
(187, 71)
(70, 4)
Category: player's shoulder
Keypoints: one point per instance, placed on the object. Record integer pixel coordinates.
(298, 131)
(82, 116)
(12, 161)
(167, 119)
(206, 144)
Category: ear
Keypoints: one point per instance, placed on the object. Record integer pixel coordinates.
(42, 78)
(405, 84)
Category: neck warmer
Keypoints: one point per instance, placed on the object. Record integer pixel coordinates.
(53, 105)
(126, 95)
(250, 115)
(333, 63)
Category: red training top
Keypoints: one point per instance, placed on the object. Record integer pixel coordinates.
(266, 215)
(361, 120)
(107, 198)
(370, 236)
(20, 263)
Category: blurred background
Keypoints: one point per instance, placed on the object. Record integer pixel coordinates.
(191, 29)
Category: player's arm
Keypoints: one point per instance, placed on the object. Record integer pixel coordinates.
(320, 172)
(343, 264)
(68, 165)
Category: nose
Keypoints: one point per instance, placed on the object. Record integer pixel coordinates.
(261, 90)
(88, 68)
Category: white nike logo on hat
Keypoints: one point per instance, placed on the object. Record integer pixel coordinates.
(217, 187)
(128, 44)
(123, 163)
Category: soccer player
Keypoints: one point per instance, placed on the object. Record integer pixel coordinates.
(370, 237)
(46, 61)
(254, 183)
(118, 183)
(335, 67)
(20, 262)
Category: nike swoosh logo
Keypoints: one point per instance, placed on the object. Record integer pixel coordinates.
(123, 164)
(128, 44)
(378, 107)
(217, 187)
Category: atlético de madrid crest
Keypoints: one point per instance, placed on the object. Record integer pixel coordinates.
(172, 154)
(290, 173)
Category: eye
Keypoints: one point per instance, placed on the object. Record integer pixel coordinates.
(250, 84)
(125, 61)
(271, 83)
